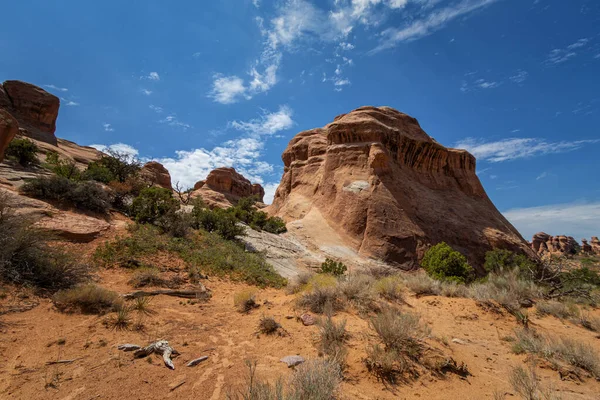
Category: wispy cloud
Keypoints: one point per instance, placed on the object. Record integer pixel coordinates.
(153, 76)
(172, 120)
(60, 89)
(520, 76)
(147, 92)
(268, 123)
(156, 109)
(71, 103)
(541, 176)
(560, 55)
(108, 127)
(580, 220)
(429, 23)
(228, 89)
(515, 148)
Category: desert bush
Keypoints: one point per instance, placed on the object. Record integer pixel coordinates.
(506, 288)
(390, 288)
(125, 192)
(557, 309)
(87, 299)
(176, 224)
(245, 301)
(453, 289)
(400, 331)
(268, 325)
(245, 211)
(26, 256)
(65, 168)
(142, 305)
(335, 268)
(147, 277)
(275, 225)
(299, 282)
(143, 240)
(23, 150)
(153, 204)
(315, 380)
(499, 260)
(83, 195)
(121, 320)
(322, 299)
(422, 285)
(385, 364)
(575, 353)
(332, 340)
(588, 322)
(526, 384)
(445, 264)
(358, 290)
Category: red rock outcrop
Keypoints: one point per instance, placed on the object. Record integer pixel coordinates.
(157, 174)
(9, 127)
(391, 190)
(34, 108)
(543, 243)
(223, 187)
(595, 244)
(586, 248)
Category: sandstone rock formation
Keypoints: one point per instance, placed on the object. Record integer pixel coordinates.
(223, 187)
(586, 248)
(390, 190)
(543, 243)
(595, 244)
(157, 174)
(9, 127)
(34, 108)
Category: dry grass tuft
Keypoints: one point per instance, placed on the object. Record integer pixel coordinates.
(557, 309)
(421, 284)
(390, 288)
(322, 299)
(525, 383)
(245, 301)
(268, 325)
(88, 299)
(332, 340)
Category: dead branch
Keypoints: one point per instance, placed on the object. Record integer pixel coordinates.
(200, 293)
(160, 347)
(61, 361)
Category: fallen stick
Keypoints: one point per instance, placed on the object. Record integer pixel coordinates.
(129, 347)
(202, 294)
(197, 361)
(176, 386)
(61, 361)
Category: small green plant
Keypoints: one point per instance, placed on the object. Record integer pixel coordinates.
(152, 204)
(65, 168)
(445, 264)
(23, 150)
(142, 305)
(333, 267)
(121, 320)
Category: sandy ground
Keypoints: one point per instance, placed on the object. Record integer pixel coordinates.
(30, 339)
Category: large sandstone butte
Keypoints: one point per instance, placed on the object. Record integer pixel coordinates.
(34, 108)
(390, 190)
(224, 186)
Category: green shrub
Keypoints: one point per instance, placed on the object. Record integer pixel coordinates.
(245, 211)
(275, 225)
(113, 166)
(322, 300)
(65, 168)
(83, 195)
(27, 258)
(88, 299)
(445, 264)
(23, 150)
(332, 267)
(499, 260)
(219, 221)
(152, 204)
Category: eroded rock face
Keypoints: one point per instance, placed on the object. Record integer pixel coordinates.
(391, 190)
(595, 245)
(223, 187)
(543, 243)
(157, 174)
(9, 127)
(34, 108)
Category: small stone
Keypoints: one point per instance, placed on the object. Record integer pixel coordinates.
(307, 319)
(458, 341)
(289, 317)
(292, 361)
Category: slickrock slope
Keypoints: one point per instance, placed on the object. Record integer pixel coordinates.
(543, 243)
(223, 187)
(156, 173)
(390, 190)
(9, 128)
(34, 108)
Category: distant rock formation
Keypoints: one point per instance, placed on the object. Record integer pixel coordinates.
(154, 172)
(223, 188)
(390, 190)
(544, 243)
(586, 248)
(595, 245)
(9, 127)
(35, 109)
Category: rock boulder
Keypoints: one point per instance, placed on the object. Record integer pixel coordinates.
(543, 243)
(157, 174)
(390, 190)
(223, 187)
(34, 108)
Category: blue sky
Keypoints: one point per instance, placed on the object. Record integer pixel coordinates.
(198, 84)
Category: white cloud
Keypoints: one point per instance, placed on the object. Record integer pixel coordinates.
(346, 46)
(256, 3)
(268, 123)
(107, 127)
(156, 109)
(228, 89)
(118, 147)
(515, 148)
(153, 76)
(270, 189)
(520, 76)
(428, 24)
(60, 89)
(560, 55)
(172, 120)
(580, 220)
(147, 92)
(71, 103)
(541, 176)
